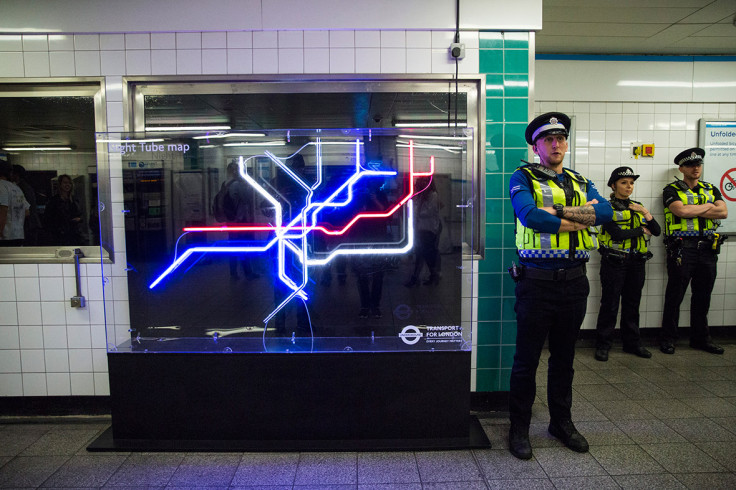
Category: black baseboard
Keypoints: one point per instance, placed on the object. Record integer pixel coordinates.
(489, 401)
(725, 334)
(53, 406)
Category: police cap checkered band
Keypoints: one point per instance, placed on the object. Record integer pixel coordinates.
(549, 123)
(690, 155)
(620, 173)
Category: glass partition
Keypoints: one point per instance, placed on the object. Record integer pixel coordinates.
(294, 241)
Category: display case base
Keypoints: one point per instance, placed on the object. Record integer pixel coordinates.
(476, 439)
(290, 402)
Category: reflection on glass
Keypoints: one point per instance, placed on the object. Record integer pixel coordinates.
(315, 242)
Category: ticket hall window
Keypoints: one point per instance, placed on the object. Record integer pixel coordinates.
(47, 140)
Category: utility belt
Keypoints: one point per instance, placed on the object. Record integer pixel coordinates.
(711, 243)
(622, 256)
(523, 272)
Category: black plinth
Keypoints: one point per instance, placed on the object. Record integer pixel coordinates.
(285, 402)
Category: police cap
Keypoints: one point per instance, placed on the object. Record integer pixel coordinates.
(549, 123)
(620, 173)
(691, 155)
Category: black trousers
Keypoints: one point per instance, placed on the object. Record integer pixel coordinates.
(698, 268)
(546, 308)
(621, 282)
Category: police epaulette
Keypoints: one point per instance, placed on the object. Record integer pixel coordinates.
(538, 169)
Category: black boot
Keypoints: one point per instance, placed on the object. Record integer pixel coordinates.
(565, 431)
(519, 444)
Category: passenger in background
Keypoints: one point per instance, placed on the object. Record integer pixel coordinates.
(62, 217)
(13, 209)
(623, 249)
(692, 213)
(427, 229)
(32, 224)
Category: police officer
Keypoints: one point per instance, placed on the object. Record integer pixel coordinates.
(554, 208)
(692, 212)
(623, 248)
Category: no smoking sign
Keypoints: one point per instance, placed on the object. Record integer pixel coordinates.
(728, 185)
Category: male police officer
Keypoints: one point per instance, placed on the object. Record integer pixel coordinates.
(554, 207)
(692, 210)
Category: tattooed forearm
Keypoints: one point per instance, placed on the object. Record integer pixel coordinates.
(580, 214)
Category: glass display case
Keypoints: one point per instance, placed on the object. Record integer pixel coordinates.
(318, 276)
(294, 241)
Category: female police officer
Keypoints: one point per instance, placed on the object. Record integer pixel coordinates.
(623, 248)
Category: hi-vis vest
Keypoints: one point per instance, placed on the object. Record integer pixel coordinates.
(532, 244)
(676, 226)
(627, 220)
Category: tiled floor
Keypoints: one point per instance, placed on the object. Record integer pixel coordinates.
(665, 422)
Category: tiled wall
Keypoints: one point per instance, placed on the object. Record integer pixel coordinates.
(505, 59)
(49, 348)
(604, 132)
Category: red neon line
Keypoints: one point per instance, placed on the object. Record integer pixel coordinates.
(386, 214)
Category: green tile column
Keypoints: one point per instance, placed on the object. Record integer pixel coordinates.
(504, 59)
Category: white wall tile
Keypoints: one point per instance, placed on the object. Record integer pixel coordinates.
(163, 62)
(80, 360)
(317, 60)
(102, 384)
(393, 39)
(7, 286)
(11, 337)
(318, 39)
(27, 289)
(34, 384)
(290, 39)
(52, 289)
(112, 42)
(87, 63)
(188, 61)
(188, 40)
(368, 60)
(82, 384)
(52, 313)
(58, 384)
(35, 42)
(86, 42)
(393, 60)
(8, 313)
(342, 39)
(76, 316)
(239, 40)
(419, 39)
(418, 60)
(441, 62)
(11, 42)
(11, 385)
(11, 64)
(78, 336)
(56, 361)
(61, 42)
(265, 39)
(214, 61)
(470, 63)
(33, 361)
(265, 60)
(99, 360)
(10, 361)
(214, 40)
(140, 41)
(61, 63)
(240, 61)
(367, 39)
(138, 62)
(37, 64)
(7, 270)
(291, 60)
(342, 60)
(30, 336)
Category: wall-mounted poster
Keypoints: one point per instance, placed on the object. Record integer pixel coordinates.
(718, 139)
